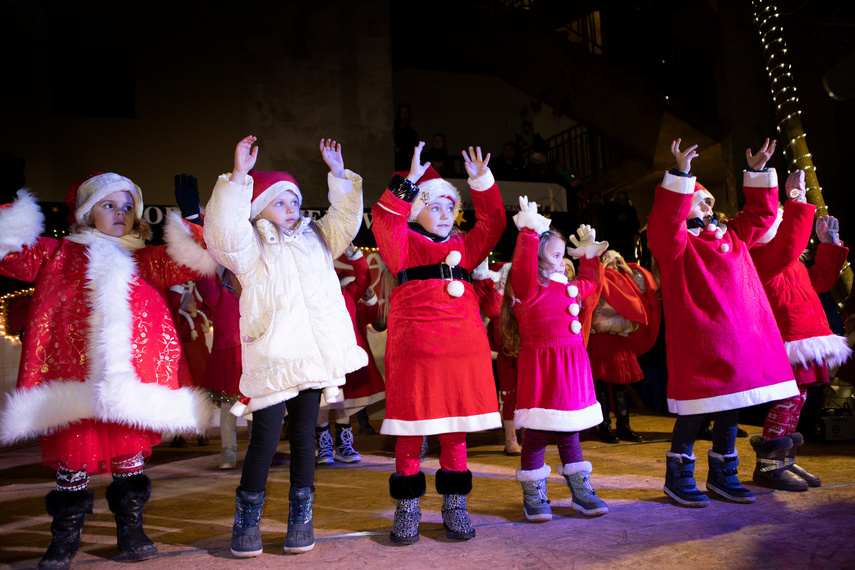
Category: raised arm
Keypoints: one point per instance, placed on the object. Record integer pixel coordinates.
(489, 208)
(341, 224)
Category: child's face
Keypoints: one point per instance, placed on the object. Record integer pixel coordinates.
(703, 210)
(114, 215)
(555, 255)
(437, 217)
(284, 210)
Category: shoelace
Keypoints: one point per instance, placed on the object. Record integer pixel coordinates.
(346, 446)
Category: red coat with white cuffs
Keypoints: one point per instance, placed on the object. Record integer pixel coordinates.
(439, 376)
(100, 343)
(555, 390)
(792, 289)
(723, 347)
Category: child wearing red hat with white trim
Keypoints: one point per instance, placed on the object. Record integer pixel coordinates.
(439, 377)
(99, 376)
(724, 351)
(297, 339)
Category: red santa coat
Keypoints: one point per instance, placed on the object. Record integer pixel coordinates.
(223, 370)
(723, 348)
(792, 290)
(439, 376)
(100, 346)
(555, 390)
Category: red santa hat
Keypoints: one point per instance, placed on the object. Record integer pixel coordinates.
(267, 186)
(701, 194)
(85, 193)
(432, 186)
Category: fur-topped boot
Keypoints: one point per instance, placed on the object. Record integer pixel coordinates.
(773, 464)
(69, 510)
(406, 489)
(680, 480)
(585, 499)
(722, 477)
(454, 486)
(535, 503)
(126, 497)
(811, 479)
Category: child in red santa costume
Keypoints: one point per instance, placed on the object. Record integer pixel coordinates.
(439, 377)
(364, 386)
(811, 346)
(621, 312)
(555, 390)
(724, 351)
(98, 379)
(297, 339)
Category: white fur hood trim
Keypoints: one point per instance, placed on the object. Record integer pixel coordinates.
(20, 224)
(184, 249)
(831, 349)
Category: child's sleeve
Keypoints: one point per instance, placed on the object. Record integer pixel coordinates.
(185, 246)
(524, 270)
(761, 206)
(789, 243)
(228, 231)
(357, 288)
(209, 290)
(341, 224)
(590, 276)
(666, 226)
(490, 220)
(828, 261)
(22, 251)
(389, 225)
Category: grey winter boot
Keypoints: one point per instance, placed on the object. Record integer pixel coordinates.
(680, 480)
(454, 486)
(246, 535)
(344, 451)
(325, 446)
(773, 464)
(126, 497)
(406, 489)
(535, 503)
(722, 478)
(585, 500)
(69, 510)
(301, 529)
(811, 479)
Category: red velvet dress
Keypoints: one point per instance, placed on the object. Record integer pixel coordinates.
(222, 373)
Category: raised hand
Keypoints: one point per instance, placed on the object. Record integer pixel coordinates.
(529, 218)
(795, 186)
(187, 195)
(417, 169)
(828, 229)
(331, 152)
(684, 158)
(758, 161)
(474, 164)
(586, 243)
(245, 157)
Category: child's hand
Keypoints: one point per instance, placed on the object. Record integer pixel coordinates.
(529, 218)
(828, 229)
(245, 156)
(187, 195)
(684, 158)
(473, 163)
(795, 186)
(417, 169)
(586, 243)
(758, 161)
(331, 151)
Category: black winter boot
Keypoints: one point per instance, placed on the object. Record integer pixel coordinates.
(301, 529)
(126, 497)
(246, 534)
(406, 489)
(69, 510)
(722, 477)
(454, 486)
(773, 464)
(811, 479)
(624, 432)
(604, 430)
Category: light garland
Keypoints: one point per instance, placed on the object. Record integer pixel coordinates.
(4, 312)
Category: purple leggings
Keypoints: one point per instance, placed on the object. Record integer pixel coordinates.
(535, 442)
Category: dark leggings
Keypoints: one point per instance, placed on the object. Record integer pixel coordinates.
(266, 427)
(723, 433)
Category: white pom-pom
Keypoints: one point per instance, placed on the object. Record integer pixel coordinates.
(719, 233)
(575, 327)
(724, 248)
(572, 291)
(453, 258)
(456, 288)
(710, 228)
(573, 309)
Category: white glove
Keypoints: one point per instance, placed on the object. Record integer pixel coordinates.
(795, 186)
(828, 229)
(529, 218)
(586, 244)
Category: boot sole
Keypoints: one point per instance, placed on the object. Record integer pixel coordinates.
(403, 539)
(772, 485)
(735, 499)
(684, 502)
(344, 459)
(544, 517)
(299, 549)
(329, 461)
(247, 554)
(589, 512)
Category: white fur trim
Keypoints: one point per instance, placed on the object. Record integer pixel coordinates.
(779, 391)
(534, 474)
(21, 223)
(333, 395)
(690, 457)
(721, 456)
(559, 278)
(357, 255)
(760, 179)
(455, 424)
(558, 420)
(430, 191)
(345, 281)
(831, 349)
(578, 467)
(44, 409)
(239, 409)
(99, 187)
(184, 249)
(483, 182)
(679, 184)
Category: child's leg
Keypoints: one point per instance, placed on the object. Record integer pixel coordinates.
(724, 432)
(228, 436)
(126, 497)
(68, 505)
(302, 414)
(776, 449)
(266, 426)
(454, 482)
(323, 417)
(680, 470)
(577, 474)
(724, 460)
(323, 438)
(783, 416)
(344, 450)
(533, 449)
(604, 430)
(685, 433)
(532, 475)
(407, 451)
(406, 485)
(569, 448)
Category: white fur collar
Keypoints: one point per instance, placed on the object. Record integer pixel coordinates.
(89, 236)
(559, 277)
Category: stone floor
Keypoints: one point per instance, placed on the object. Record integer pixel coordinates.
(190, 513)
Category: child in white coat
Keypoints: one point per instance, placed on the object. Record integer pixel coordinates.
(296, 335)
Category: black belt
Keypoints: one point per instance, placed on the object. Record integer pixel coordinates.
(436, 271)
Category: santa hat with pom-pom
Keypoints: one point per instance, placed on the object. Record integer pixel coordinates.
(701, 194)
(432, 186)
(85, 193)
